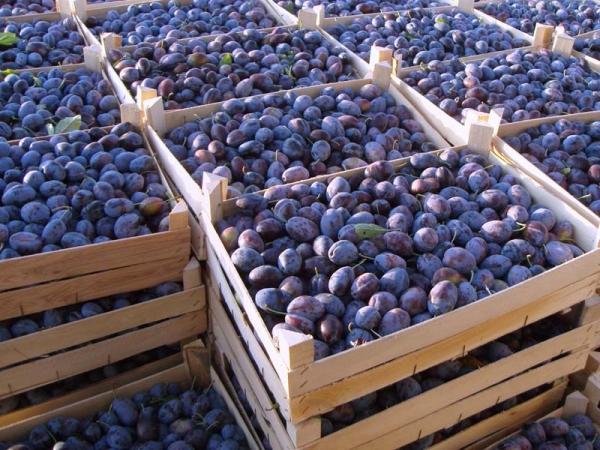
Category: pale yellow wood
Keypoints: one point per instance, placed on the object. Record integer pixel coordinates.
(192, 276)
(358, 434)
(97, 388)
(92, 59)
(563, 45)
(575, 403)
(22, 349)
(382, 73)
(154, 113)
(450, 129)
(226, 341)
(592, 388)
(197, 361)
(396, 65)
(379, 55)
(178, 219)
(296, 349)
(143, 94)
(215, 192)
(217, 384)
(110, 41)
(79, 8)
(504, 423)
(481, 323)
(466, 5)
(47, 370)
(495, 118)
(308, 18)
(542, 35)
(87, 407)
(270, 370)
(130, 113)
(63, 6)
(480, 137)
(325, 399)
(21, 302)
(306, 432)
(591, 310)
(198, 238)
(29, 270)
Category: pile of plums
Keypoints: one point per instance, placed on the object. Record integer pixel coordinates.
(266, 141)
(352, 260)
(78, 189)
(30, 102)
(41, 44)
(196, 72)
(569, 153)
(524, 84)
(154, 21)
(420, 36)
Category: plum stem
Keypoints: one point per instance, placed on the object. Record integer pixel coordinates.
(274, 311)
(360, 263)
(366, 257)
(376, 334)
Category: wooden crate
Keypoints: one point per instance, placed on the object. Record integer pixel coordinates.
(119, 380)
(313, 387)
(514, 129)
(456, 132)
(78, 274)
(113, 41)
(82, 10)
(60, 352)
(195, 372)
(408, 421)
(578, 402)
(316, 18)
(158, 122)
(523, 412)
(94, 61)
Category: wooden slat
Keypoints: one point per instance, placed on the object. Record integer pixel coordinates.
(222, 367)
(97, 388)
(227, 341)
(88, 287)
(47, 370)
(87, 407)
(504, 421)
(217, 287)
(30, 270)
(323, 400)
(456, 412)
(65, 336)
(220, 388)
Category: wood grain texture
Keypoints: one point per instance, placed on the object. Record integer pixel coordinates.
(63, 365)
(30, 300)
(65, 336)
